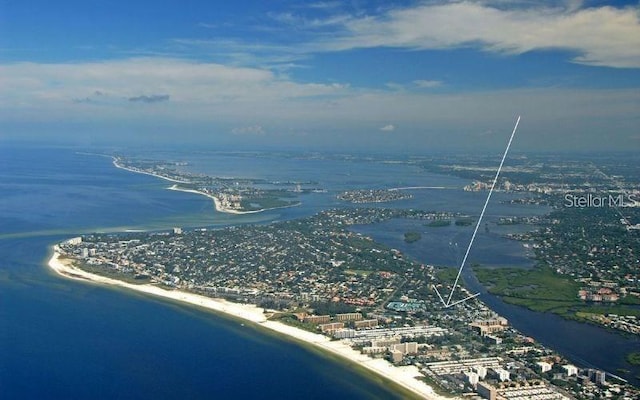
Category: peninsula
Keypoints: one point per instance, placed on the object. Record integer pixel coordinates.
(229, 195)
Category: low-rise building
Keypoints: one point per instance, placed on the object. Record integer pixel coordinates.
(331, 327)
(317, 319)
(344, 333)
(366, 323)
(356, 316)
(487, 326)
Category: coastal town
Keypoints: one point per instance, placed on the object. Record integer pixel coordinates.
(320, 200)
(318, 276)
(589, 243)
(319, 280)
(374, 196)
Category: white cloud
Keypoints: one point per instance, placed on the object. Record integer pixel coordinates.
(427, 84)
(249, 130)
(220, 101)
(203, 89)
(599, 36)
(324, 5)
(388, 128)
(603, 36)
(395, 86)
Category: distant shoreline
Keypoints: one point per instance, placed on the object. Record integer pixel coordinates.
(405, 377)
(120, 166)
(216, 201)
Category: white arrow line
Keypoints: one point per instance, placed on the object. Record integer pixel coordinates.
(439, 295)
(475, 231)
(463, 300)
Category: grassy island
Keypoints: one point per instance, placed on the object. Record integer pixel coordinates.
(438, 223)
(633, 358)
(464, 222)
(411, 237)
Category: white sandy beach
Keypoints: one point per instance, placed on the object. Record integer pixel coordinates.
(118, 165)
(218, 204)
(216, 201)
(402, 376)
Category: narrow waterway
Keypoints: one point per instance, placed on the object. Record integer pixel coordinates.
(585, 344)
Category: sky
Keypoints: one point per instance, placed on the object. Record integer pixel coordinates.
(408, 76)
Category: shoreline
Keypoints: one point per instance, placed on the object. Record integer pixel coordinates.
(120, 166)
(216, 201)
(404, 377)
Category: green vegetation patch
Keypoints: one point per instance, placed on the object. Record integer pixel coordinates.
(292, 320)
(633, 358)
(539, 289)
(591, 310)
(332, 308)
(464, 222)
(265, 202)
(109, 272)
(542, 289)
(438, 223)
(359, 272)
(411, 237)
(447, 274)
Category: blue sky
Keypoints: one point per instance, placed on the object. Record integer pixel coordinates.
(371, 75)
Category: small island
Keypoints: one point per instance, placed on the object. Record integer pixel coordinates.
(438, 223)
(411, 237)
(464, 222)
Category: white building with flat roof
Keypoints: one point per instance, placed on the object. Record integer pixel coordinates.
(481, 371)
(74, 241)
(344, 333)
(406, 347)
(472, 378)
(501, 374)
(571, 370)
(544, 366)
